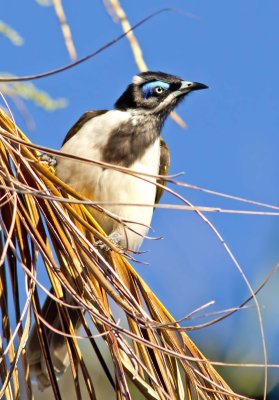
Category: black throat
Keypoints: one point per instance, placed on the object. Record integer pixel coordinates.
(129, 141)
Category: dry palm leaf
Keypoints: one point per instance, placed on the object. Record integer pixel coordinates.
(42, 228)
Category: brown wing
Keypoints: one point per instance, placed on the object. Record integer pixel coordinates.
(83, 119)
(163, 168)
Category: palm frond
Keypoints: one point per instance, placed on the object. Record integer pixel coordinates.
(43, 230)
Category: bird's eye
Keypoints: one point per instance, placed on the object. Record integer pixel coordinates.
(159, 90)
(154, 88)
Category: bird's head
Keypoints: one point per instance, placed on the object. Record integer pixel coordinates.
(155, 93)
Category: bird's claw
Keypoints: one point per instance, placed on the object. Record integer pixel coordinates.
(114, 237)
(48, 159)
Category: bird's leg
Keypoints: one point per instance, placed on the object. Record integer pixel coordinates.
(115, 237)
(48, 159)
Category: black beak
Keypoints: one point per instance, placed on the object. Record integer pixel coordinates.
(197, 86)
(187, 87)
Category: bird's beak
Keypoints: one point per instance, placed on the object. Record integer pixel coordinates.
(187, 87)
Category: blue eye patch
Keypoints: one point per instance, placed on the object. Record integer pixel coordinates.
(148, 88)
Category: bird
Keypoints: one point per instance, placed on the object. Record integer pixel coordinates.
(129, 135)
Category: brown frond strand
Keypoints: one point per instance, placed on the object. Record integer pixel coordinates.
(102, 290)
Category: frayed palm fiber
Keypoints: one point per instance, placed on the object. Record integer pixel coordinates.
(40, 232)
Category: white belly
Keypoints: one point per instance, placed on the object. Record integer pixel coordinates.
(117, 187)
(109, 186)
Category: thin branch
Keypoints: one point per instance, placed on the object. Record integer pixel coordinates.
(83, 59)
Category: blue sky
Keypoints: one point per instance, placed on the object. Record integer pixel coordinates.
(231, 144)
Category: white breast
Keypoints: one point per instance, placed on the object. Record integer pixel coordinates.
(106, 185)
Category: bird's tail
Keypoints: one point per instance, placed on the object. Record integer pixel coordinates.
(57, 344)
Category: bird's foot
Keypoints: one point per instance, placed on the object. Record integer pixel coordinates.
(48, 159)
(115, 237)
